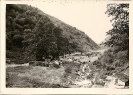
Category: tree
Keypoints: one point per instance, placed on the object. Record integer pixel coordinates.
(42, 40)
(17, 39)
(119, 35)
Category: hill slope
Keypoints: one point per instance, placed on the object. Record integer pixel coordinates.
(32, 33)
(85, 42)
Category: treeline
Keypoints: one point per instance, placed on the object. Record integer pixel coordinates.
(116, 59)
(31, 35)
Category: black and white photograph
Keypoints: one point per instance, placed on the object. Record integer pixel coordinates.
(67, 44)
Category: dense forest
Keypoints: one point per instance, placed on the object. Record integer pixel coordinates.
(116, 59)
(32, 34)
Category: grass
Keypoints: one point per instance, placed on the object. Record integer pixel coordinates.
(50, 77)
(33, 77)
(41, 77)
(70, 70)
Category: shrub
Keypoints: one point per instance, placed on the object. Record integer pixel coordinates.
(102, 83)
(122, 54)
(68, 70)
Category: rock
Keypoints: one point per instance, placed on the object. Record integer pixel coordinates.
(84, 83)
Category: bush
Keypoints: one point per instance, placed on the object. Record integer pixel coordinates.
(68, 70)
(16, 56)
(102, 83)
(122, 54)
(112, 61)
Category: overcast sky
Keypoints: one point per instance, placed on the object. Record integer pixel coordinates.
(86, 16)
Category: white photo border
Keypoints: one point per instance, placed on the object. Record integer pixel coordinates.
(5, 90)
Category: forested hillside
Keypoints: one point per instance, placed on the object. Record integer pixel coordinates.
(116, 59)
(32, 34)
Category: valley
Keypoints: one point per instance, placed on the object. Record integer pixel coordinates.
(45, 52)
(70, 74)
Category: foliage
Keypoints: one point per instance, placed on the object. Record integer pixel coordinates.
(17, 40)
(119, 35)
(36, 35)
(112, 61)
(116, 58)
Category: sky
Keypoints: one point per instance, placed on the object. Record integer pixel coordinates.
(87, 16)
